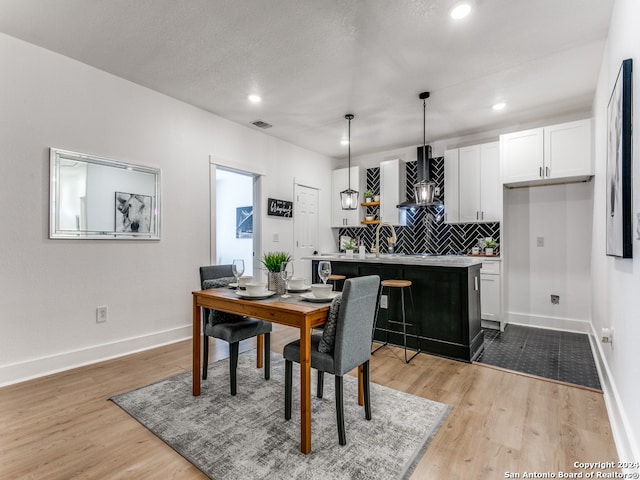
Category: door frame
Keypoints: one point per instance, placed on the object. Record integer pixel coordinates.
(244, 169)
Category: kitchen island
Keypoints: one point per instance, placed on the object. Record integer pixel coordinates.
(446, 294)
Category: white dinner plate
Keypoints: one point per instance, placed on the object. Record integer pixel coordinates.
(300, 290)
(309, 297)
(260, 296)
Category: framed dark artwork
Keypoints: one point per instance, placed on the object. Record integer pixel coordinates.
(244, 222)
(133, 212)
(619, 216)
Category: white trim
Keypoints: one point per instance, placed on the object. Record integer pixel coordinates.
(552, 323)
(249, 166)
(622, 436)
(305, 182)
(39, 367)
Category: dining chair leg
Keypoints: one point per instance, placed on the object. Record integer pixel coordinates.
(288, 374)
(233, 366)
(205, 355)
(366, 386)
(320, 388)
(342, 437)
(267, 356)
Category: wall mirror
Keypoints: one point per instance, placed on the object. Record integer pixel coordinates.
(99, 198)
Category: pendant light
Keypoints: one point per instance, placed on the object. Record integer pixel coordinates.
(349, 197)
(424, 189)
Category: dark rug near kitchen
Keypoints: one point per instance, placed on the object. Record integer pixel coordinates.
(563, 356)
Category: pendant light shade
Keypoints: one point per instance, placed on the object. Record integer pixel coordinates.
(424, 190)
(349, 197)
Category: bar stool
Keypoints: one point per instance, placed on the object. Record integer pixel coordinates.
(402, 285)
(334, 278)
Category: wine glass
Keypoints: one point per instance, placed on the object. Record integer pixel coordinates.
(324, 271)
(237, 268)
(286, 270)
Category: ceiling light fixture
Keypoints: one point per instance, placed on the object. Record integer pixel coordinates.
(460, 10)
(254, 98)
(349, 197)
(424, 189)
(499, 106)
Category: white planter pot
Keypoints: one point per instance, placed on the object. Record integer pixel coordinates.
(349, 253)
(488, 251)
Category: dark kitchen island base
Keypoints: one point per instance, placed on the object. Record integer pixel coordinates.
(446, 316)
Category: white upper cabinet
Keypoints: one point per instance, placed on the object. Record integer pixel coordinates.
(393, 187)
(472, 188)
(554, 154)
(340, 182)
(451, 195)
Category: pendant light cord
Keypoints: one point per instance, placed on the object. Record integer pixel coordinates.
(349, 118)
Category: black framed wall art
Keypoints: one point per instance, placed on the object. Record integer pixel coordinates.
(619, 203)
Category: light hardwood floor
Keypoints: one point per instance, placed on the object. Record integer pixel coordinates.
(63, 426)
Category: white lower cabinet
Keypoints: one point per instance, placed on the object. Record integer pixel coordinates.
(491, 294)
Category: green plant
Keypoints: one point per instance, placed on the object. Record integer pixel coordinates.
(349, 245)
(368, 194)
(490, 243)
(273, 260)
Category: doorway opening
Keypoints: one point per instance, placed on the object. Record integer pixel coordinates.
(234, 194)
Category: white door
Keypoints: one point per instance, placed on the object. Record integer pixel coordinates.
(305, 228)
(522, 155)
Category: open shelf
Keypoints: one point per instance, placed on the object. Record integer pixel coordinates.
(370, 204)
(370, 222)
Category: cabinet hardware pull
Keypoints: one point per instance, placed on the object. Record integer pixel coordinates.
(540, 172)
(547, 170)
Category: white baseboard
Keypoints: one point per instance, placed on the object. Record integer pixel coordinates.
(39, 367)
(622, 436)
(552, 323)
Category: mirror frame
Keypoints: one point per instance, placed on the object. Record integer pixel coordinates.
(56, 156)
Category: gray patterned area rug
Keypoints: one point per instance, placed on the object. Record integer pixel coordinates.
(247, 437)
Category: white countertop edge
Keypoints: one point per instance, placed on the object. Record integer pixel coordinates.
(437, 261)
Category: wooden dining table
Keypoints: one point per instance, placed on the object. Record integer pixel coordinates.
(293, 312)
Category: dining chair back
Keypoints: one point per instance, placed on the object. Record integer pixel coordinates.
(348, 349)
(232, 328)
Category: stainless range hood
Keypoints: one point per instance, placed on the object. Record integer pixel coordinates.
(422, 176)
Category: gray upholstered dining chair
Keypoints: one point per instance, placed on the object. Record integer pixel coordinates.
(228, 327)
(344, 345)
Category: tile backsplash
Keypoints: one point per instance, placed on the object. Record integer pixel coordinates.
(425, 231)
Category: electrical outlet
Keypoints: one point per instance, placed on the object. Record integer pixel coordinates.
(555, 299)
(101, 314)
(540, 241)
(384, 303)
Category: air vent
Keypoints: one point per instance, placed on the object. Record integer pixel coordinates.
(261, 124)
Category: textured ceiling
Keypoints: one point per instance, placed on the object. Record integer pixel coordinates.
(312, 61)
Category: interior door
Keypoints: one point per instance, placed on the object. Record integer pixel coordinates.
(305, 225)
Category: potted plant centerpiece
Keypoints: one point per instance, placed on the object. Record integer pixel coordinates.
(273, 263)
(489, 245)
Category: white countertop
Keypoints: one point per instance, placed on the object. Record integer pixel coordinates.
(401, 259)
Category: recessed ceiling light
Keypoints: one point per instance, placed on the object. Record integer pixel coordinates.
(255, 98)
(499, 106)
(460, 10)
(344, 142)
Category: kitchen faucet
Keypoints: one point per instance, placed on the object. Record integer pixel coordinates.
(393, 236)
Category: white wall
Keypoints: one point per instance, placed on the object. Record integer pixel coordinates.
(616, 282)
(561, 215)
(51, 288)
